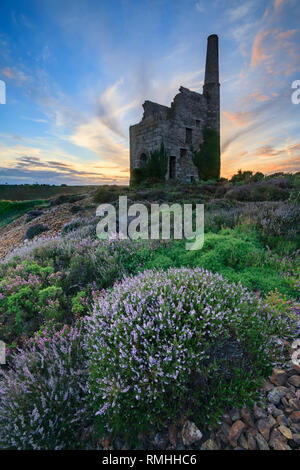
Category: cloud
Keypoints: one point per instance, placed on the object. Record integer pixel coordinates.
(258, 51)
(98, 138)
(17, 75)
(258, 97)
(268, 151)
(286, 34)
(239, 118)
(112, 107)
(200, 7)
(278, 4)
(31, 168)
(240, 11)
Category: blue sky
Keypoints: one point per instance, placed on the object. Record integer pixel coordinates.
(78, 71)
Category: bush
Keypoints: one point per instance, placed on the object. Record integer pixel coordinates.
(151, 333)
(73, 225)
(75, 209)
(44, 396)
(33, 215)
(29, 295)
(105, 194)
(64, 199)
(241, 176)
(264, 191)
(154, 169)
(35, 230)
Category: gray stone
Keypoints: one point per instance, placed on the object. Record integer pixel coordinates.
(275, 395)
(261, 442)
(190, 434)
(295, 380)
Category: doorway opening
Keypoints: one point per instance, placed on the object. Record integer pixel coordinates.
(172, 167)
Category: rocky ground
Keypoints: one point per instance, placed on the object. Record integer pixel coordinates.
(54, 218)
(272, 425)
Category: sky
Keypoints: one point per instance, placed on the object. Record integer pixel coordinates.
(78, 71)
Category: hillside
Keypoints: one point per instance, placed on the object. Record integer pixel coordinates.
(154, 346)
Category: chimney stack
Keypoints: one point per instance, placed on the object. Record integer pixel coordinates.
(211, 91)
(211, 88)
(212, 60)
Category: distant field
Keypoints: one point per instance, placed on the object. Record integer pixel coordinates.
(14, 192)
(10, 210)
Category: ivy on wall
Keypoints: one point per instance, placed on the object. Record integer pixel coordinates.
(154, 169)
(207, 157)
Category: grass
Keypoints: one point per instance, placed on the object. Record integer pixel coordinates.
(11, 210)
(26, 192)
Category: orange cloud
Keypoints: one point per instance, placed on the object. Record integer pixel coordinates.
(278, 4)
(7, 72)
(258, 97)
(286, 34)
(258, 52)
(268, 151)
(239, 119)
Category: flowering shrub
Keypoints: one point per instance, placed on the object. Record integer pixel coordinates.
(44, 397)
(29, 295)
(263, 191)
(151, 332)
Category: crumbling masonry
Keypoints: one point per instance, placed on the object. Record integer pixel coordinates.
(181, 125)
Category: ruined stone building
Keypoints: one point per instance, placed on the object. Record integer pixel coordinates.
(181, 125)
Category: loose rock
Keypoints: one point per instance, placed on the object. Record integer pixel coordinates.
(190, 434)
(235, 431)
(279, 377)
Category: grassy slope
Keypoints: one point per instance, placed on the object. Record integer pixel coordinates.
(11, 210)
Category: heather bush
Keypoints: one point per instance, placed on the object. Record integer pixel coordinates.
(72, 226)
(29, 295)
(35, 230)
(150, 334)
(44, 396)
(264, 191)
(276, 220)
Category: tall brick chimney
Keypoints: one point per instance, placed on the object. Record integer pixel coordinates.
(211, 88)
(212, 60)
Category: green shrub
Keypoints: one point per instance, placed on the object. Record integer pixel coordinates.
(105, 194)
(241, 176)
(154, 169)
(35, 230)
(29, 295)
